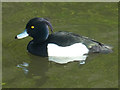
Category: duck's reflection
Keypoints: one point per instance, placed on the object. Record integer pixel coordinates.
(35, 69)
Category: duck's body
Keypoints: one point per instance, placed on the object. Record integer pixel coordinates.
(57, 41)
(59, 44)
(65, 39)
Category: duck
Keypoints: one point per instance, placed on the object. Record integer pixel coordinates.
(67, 45)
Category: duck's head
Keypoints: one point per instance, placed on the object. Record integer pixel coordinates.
(36, 28)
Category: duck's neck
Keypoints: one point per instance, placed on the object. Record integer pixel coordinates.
(39, 41)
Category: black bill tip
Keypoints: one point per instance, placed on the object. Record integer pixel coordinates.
(15, 37)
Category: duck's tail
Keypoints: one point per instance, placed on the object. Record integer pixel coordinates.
(101, 48)
(106, 49)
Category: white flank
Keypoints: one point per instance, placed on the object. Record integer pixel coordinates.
(62, 55)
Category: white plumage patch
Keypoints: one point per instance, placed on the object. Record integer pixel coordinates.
(62, 55)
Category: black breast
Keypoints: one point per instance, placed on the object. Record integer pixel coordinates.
(39, 49)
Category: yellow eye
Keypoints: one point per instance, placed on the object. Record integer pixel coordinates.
(32, 27)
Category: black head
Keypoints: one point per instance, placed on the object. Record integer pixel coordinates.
(37, 28)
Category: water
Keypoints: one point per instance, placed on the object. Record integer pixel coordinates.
(95, 20)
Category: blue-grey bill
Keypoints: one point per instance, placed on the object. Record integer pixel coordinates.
(22, 35)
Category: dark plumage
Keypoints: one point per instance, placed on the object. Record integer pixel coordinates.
(38, 29)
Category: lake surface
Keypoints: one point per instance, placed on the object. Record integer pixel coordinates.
(24, 70)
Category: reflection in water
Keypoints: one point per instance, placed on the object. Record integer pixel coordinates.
(24, 67)
(82, 62)
(36, 69)
(67, 59)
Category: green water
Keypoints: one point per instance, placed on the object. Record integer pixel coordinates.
(95, 20)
